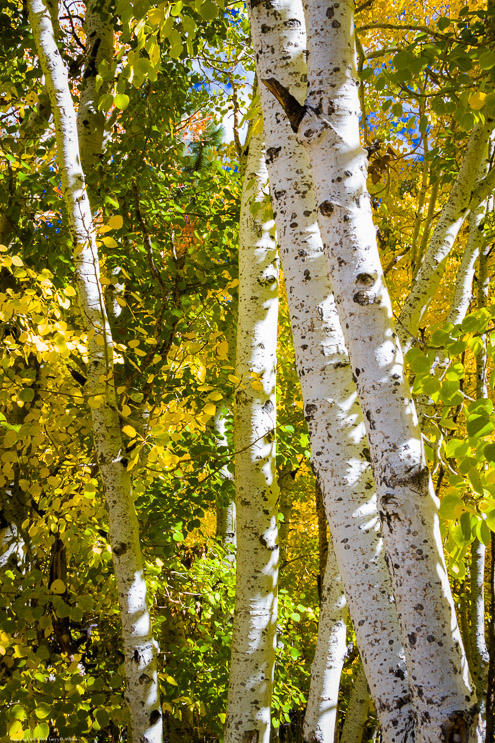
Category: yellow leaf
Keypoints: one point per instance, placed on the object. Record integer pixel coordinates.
(210, 408)
(116, 222)
(58, 586)
(69, 291)
(233, 378)
(134, 343)
(96, 401)
(2, 650)
(201, 373)
(223, 349)
(109, 242)
(215, 396)
(171, 680)
(15, 731)
(477, 100)
(17, 261)
(129, 431)
(10, 438)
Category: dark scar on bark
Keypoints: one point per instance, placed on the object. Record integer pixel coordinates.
(293, 109)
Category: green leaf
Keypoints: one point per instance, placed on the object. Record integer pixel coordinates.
(42, 711)
(450, 505)
(27, 394)
(489, 452)
(479, 426)
(490, 520)
(121, 100)
(208, 11)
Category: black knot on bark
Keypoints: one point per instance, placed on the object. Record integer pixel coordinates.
(326, 208)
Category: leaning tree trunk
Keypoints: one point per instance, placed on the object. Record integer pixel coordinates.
(328, 125)
(253, 642)
(139, 651)
(339, 451)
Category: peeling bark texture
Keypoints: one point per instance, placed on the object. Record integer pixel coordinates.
(253, 642)
(99, 32)
(320, 720)
(446, 230)
(357, 709)
(339, 450)
(139, 650)
(442, 693)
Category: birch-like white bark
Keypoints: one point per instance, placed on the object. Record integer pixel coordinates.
(320, 720)
(99, 31)
(253, 642)
(328, 125)
(338, 443)
(446, 230)
(357, 709)
(139, 651)
(226, 520)
(479, 650)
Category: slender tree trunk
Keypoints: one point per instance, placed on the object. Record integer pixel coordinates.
(139, 650)
(99, 31)
(253, 642)
(479, 650)
(225, 502)
(323, 538)
(286, 482)
(446, 230)
(339, 451)
(320, 720)
(328, 125)
(490, 692)
(357, 709)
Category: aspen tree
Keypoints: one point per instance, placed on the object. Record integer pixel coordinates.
(139, 650)
(328, 124)
(339, 448)
(320, 720)
(253, 641)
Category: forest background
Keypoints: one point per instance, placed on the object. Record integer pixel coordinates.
(151, 85)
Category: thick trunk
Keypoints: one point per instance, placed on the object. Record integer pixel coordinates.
(357, 709)
(253, 642)
(338, 442)
(328, 125)
(139, 651)
(320, 720)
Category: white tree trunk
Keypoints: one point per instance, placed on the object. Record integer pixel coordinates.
(226, 520)
(357, 709)
(339, 451)
(253, 642)
(99, 31)
(139, 650)
(320, 720)
(328, 125)
(446, 230)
